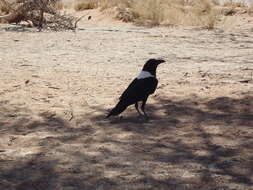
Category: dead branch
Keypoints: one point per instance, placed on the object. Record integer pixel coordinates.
(41, 13)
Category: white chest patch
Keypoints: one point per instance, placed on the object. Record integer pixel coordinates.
(144, 74)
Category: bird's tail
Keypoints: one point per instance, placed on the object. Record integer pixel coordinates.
(119, 108)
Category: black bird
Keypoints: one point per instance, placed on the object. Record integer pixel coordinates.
(140, 88)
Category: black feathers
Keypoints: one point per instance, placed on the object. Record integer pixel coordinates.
(140, 88)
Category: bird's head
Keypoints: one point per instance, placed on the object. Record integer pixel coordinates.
(151, 65)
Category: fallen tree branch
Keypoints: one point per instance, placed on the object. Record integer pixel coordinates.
(40, 12)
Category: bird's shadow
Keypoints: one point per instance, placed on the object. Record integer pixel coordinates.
(130, 119)
(167, 112)
(130, 115)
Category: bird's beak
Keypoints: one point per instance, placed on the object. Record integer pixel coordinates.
(161, 61)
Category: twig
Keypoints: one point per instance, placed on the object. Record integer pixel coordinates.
(245, 81)
(71, 112)
(75, 25)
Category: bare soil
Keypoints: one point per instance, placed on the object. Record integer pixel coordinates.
(57, 87)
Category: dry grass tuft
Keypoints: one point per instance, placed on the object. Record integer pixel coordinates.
(204, 14)
(150, 13)
(250, 9)
(4, 9)
(234, 4)
(58, 5)
(85, 4)
(165, 12)
(232, 8)
(216, 2)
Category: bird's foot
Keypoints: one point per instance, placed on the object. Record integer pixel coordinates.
(146, 117)
(143, 117)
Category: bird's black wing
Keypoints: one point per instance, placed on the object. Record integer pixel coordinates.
(153, 86)
(139, 89)
(131, 86)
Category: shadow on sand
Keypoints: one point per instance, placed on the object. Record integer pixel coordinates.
(187, 144)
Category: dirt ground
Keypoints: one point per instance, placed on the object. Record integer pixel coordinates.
(57, 87)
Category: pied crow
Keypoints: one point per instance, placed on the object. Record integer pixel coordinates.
(139, 89)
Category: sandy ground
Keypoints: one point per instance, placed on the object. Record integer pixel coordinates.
(56, 88)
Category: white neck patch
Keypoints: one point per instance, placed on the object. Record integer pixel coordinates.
(144, 74)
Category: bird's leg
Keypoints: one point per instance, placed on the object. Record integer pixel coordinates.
(143, 106)
(137, 108)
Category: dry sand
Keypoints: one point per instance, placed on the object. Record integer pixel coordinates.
(56, 88)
